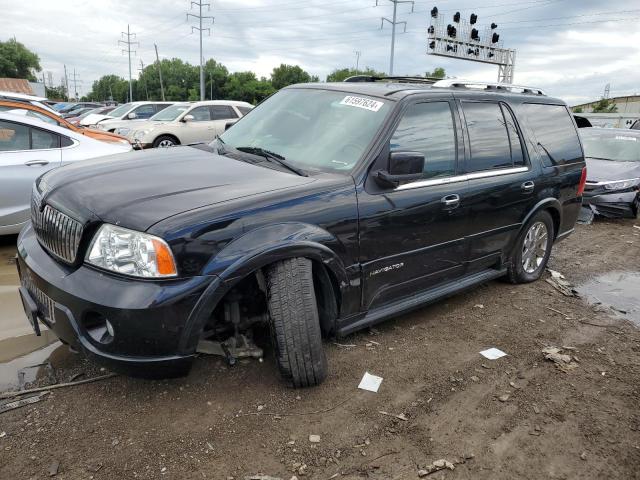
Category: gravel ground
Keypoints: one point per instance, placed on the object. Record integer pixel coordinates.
(518, 417)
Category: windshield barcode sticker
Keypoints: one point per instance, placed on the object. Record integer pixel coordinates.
(361, 102)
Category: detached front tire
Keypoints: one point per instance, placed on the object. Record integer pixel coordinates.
(295, 323)
(532, 250)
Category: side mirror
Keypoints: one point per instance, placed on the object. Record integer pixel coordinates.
(403, 167)
(132, 115)
(228, 125)
(188, 118)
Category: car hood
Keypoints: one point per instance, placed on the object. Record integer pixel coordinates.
(94, 118)
(608, 170)
(139, 189)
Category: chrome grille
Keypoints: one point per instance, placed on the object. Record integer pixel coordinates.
(57, 232)
(44, 303)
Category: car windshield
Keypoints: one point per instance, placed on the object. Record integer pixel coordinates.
(121, 110)
(170, 113)
(312, 129)
(618, 146)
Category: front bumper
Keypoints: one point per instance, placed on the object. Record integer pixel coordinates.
(613, 205)
(148, 317)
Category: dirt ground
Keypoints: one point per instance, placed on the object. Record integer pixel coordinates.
(518, 417)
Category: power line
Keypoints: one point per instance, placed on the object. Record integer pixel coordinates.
(75, 81)
(128, 43)
(393, 23)
(200, 29)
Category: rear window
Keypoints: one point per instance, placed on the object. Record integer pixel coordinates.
(555, 133)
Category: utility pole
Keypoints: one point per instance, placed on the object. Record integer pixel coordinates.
(75, 83)
(141, 70)
(358, 53)
(128, 43)
(393, 23)
(66, 81)
(200, 29)
(159, 71)
(211, 83)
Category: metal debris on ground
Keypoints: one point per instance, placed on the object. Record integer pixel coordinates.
(436, 466)
(399, 416)
(559, 282)
(585, 216)
(492, 353)
(314, 438)
(369, 382)
(53, 468)
(59, 385)
(563, 361)
(23, 402)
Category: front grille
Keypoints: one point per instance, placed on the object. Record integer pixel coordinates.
(58, 233)
(44, 303)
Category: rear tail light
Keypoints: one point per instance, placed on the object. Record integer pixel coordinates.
(583, 181)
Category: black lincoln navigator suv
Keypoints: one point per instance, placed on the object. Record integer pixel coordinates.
(328, 208)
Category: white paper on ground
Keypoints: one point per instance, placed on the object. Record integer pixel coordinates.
(370, 382)
(492, 353)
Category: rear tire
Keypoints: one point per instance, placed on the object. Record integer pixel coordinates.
(165, 141)
(532, 249)
(295, 324)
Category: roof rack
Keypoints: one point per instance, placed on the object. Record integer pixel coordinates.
(405, 79)
(457, 83)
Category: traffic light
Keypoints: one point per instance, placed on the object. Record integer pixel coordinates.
(491, 54)
(451, 31)
(431, 30)
(474, 34)
(473, 19)
(456, 17)
(494, 38)
(472, 51)
(452, 48)
(493, 26)
(432, 45)
(434, 12)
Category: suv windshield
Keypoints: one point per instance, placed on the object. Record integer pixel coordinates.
(618, 146)
(170, 113)
(121, 110)
(311, 129)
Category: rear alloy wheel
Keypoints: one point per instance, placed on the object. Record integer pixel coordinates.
(164, 141)
(532, 250)
(295, 323)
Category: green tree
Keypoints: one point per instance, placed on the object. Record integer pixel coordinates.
(340, 74)
(577, 110)
(109, 87)
(437, 73)
(56, 93)
(17, 61)
(605, 105)
(288, 75)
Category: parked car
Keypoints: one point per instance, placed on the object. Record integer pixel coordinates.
(77, 106)
(329, 208)
(31, 99)
(26, 108)
(613, 163)
(122, 115)
(29, 148)
(185, 123)
(98, 111)
(77, 112)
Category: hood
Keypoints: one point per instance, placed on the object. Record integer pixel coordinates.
(94, 118)
(609, 170)
(138, 189)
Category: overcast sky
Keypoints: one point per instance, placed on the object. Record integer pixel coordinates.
(571, 48)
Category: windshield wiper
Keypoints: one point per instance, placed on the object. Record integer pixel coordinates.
(273, 157)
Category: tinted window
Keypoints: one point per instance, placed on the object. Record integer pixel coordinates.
(636, 125)
(428, 128)
(158, 107)
(244, 110)
(41, 139)
(13, 136)
(145, 111)
(515, 142)
(200, 114)
(554, 132)
(490, 146)
(222, 112)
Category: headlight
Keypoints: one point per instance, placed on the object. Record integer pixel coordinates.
(622, 184)
(131, 253)
(123, 131)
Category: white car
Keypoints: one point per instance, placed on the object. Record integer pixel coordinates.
(122, 115)
(29, 148)
(32, 99)
(185, 123)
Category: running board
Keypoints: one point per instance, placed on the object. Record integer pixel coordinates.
(420, 299)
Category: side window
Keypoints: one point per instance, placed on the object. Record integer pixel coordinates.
(554, 131)
(222, 112)
(13, 136)
(636, 125)
(244, 110)
(145, 111)
(489, 140)
(515, 142)
(158, 107)
(42, 117)
(428, 128)
(41, 139)
(201, 114)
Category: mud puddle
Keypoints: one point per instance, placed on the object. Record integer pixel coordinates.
(618, 291)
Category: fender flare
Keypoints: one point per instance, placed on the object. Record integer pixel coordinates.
(544, 204)
(247, 264)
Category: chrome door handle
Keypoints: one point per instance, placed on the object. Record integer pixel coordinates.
(451, 201)
(528, 187)
(39, 163)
